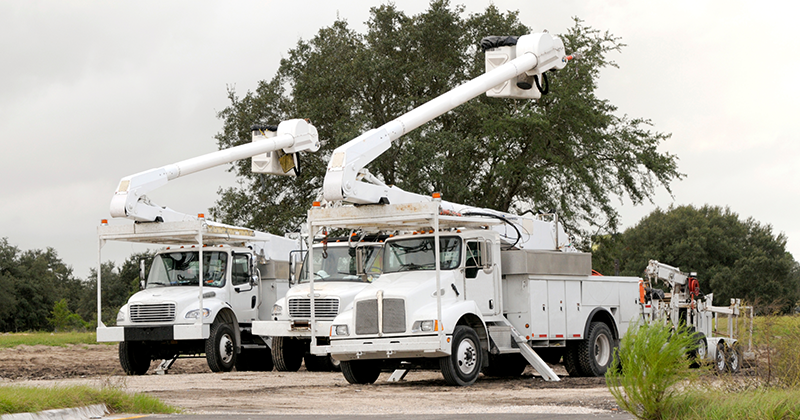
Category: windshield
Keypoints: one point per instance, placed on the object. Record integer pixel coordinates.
(340, 264)
(183, 268)
(418, 254)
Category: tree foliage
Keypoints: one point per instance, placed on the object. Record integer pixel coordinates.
(733, 258)
(567, 152)
(40, 292)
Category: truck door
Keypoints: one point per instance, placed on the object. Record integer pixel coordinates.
(244, 293)
(479, 276)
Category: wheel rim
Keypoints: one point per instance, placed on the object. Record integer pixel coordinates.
(701, 351)
(720, 359)
(226, 349)
(734, 360)
(467, 356)
(602, 350)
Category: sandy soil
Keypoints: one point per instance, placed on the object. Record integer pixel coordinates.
(191, 386)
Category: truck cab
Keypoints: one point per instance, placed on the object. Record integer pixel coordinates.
(341, 269)
(200, 298)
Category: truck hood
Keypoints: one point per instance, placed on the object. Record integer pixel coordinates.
(180, 295)
(410, 285)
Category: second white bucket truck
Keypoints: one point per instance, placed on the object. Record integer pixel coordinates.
(211, 281)
(466, 290)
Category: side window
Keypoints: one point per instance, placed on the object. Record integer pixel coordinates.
(240, 269)
(474, 259)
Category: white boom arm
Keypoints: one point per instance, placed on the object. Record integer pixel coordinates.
(666, 273)
(130, 201)
(535, 54)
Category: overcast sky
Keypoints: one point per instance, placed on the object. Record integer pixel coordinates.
(93, 91)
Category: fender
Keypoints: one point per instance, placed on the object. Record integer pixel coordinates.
(598, 314)
(227, 316)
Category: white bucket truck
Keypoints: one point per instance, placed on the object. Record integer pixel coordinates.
(337, 280)
(212, 281)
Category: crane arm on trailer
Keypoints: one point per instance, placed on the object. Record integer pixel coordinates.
(129, 200)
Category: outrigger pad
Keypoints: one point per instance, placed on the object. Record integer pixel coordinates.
(498, 41)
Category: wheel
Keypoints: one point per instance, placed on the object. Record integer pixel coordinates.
(287, 354)
(733, 357)
(463, 365)
(700, 353)
(505, 365)
(324, 363)
(719, 358)
(571, 363)
(361, 372)
(595, 352)
(134, 358)
(221, 348)
(256, 360)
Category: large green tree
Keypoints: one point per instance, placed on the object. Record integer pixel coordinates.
(733, 258)
(567, 152)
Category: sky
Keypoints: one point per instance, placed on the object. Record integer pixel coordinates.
(93, 91)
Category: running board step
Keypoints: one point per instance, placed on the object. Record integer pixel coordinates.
(532, 357)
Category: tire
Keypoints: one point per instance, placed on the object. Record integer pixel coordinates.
(733, 358)
(571, 363)
(287, 354)
(505, 365)
(221, 348)
(361, 372)
(596, 352)
(324, 363)
(698, 355)
(463, 365)
(255, 360)
(720, 364)
(134, 358)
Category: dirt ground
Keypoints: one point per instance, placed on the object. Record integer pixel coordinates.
(191, 386)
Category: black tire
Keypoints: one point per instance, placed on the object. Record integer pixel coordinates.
(571, 363)
(699, 354)
(596, 352)
(463, 365)
(134, 358)
(255, 360)
(287, 354)
(316, 363)
(221, 348)
(720, 364)
(505, 365)
(361, 372)
(733, 358)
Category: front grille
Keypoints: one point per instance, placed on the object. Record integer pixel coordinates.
(324, 308)
(158, 312)
(367, 317)
(394, 316)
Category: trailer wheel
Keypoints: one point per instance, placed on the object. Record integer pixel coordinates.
(463, 365)
(287, 354)
(700, 353)
(719, 359)
(361, 372)
(134, 358)
(734, 358)
(255, 360)
(505, 365)
(595, 354)
(221, 348)
(324, 363)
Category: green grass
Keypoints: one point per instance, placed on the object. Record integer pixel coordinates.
(766, 403)
(27, 399)
(10, 340)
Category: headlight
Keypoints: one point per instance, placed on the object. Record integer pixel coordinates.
(277, 310)
(120, 316)
(194, 313)
(425, 326)
(339, 330)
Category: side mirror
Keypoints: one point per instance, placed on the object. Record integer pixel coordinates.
(142, 274)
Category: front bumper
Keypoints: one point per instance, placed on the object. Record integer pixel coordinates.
(290, 328)
(153, 333)
(426, 346)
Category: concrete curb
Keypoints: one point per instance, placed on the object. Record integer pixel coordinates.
(96, 411)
